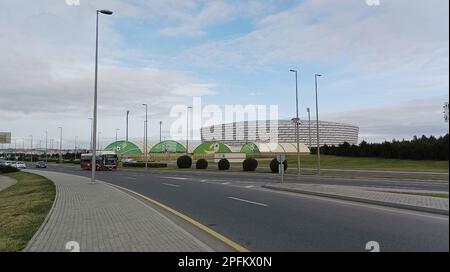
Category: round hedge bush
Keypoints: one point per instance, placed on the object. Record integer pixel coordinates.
(184, 162)
(274, 165)
(223, 164)
(250, 164)
(201, 164)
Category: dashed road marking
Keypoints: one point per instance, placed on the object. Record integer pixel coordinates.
(172, 185)
(248, 201)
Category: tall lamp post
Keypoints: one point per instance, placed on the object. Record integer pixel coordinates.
(76, 147)
(160, 125)
(94, 125)
(31, 150)
(317, 124)
(46, 141)
(297, 121)
(145, 136)
(309, 126)
(126, 140)
(187, 129)
(60, 144)
(117, 130)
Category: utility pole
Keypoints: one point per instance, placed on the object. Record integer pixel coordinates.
(317, 125)
(60, 146)
(94, 125)
(160, 124)
(76, 147)
(309, 126)
(297, 121)
(145, 135)
(31, 149)
(187, 126)
(46, 147)
(128, 113)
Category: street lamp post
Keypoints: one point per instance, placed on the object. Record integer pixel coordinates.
(117, 130)
(297, 121)
(160, 125)
(126, 140)
(145, 136)
(31, 148)
(76, 147)
(187, 129)
(60, 145)
(94, 126)
(309, 126)
(317, 124)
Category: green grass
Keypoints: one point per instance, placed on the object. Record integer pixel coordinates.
(23, 208)
(356, 163)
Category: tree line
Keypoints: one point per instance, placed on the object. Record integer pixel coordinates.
(423, 148)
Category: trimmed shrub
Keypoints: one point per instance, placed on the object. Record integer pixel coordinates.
(274, 165)
(8, 169)
(201, 164)
(142, 164)
(250, 164)
(184, 162)
(223, 164)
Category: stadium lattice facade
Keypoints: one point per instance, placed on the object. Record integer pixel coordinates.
(284, 131)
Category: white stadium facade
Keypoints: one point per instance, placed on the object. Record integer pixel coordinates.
(282, 131)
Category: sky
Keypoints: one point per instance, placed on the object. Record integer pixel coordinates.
(384, 65)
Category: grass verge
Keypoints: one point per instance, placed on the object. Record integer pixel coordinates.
(360, 163)
(23, 208)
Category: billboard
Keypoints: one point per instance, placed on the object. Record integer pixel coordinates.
(5, 137)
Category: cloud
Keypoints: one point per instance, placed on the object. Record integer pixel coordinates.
(415, 117)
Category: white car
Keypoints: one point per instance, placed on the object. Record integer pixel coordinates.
(19, 165)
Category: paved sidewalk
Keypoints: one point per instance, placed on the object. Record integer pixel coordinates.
(101, 218)
(377, 196)
(6, 182)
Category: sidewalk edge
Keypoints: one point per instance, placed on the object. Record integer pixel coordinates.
(362, 200)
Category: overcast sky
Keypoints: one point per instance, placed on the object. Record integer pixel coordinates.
(385, 66)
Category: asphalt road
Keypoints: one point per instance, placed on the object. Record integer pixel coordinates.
(264, 220)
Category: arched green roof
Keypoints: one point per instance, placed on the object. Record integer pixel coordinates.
(169, 147)
(124, 148)
(250, 148)
(212, 147)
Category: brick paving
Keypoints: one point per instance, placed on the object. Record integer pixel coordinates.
(101, 218)
(370, 195)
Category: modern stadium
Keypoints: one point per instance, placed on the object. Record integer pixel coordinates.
(244, 137)
(240, 133)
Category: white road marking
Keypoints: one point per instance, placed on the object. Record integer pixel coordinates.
(176, 178)
(248, 201)
(225, 183)
(170, 184)
(249, 186)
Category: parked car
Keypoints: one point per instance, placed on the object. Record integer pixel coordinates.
(128, 160)
(41, 164)
(19, 165)
(3, 162)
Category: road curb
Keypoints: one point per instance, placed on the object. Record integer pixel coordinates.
(362, 200)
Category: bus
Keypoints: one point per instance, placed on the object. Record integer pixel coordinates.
(106, 161)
